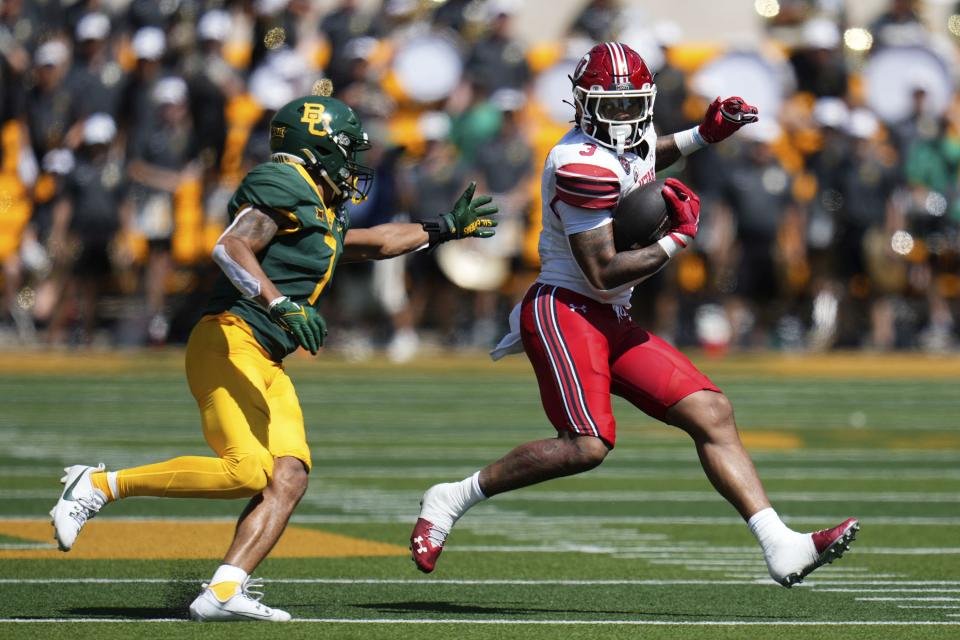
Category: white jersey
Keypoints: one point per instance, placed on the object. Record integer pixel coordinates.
(581, 186)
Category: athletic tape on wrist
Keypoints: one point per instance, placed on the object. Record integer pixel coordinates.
(242, 279)
(689, 141)
(276, 301)
(674, 243)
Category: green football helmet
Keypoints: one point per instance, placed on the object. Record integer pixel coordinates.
(326, 136)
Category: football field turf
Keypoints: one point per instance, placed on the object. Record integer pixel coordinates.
(640, 548)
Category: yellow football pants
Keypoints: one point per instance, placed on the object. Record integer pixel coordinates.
(250, 415)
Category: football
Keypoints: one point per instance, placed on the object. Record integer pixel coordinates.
(641, 218)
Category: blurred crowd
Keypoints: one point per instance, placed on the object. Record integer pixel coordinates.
(125, 125)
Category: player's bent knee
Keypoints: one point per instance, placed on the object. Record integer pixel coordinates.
(720, 410)
(591, 452)
(290, 478)
(714, 416)
(248, 475)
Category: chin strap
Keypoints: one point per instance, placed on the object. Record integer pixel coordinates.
(337, 191)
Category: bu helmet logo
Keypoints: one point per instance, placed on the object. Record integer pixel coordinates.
(313, 115)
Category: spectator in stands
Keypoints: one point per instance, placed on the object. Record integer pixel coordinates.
(867, 179)
(51, 109)
(86, 219)
(757, 191)
(505, 166)
(210, 82)
(95, 77)
(598, 20)
(359, 88)
(342, 25)
(439, 175)
(497, 60)
(135, 106)
(17, 35)
(163, 157)
(899, 25)
(819, 64)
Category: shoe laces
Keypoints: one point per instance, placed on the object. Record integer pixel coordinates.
(251, 588)
(86, 507)
(437, 536)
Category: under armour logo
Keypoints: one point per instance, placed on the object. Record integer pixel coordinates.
(419, 542)
(582, 308)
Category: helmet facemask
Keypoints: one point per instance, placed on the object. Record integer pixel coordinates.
(351, 179)
(623, 115)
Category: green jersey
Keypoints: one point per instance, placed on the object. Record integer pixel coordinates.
(300, 259)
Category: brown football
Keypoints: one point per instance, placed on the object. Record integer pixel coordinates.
(641, 217)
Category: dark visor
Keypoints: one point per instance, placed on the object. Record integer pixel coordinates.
(621, 109)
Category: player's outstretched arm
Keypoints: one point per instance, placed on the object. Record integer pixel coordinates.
(606, 268)
(469, 218)
(383, 241)
(722, 119)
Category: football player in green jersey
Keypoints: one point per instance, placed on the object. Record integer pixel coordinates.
(289, 230)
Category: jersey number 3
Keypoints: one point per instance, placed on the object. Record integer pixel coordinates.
(589, 150)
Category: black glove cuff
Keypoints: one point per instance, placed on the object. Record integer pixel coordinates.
(437, 229)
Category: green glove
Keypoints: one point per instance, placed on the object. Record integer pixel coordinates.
(469, 218)
(302, 321)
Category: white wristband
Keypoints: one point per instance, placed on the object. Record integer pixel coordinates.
(674, 243)
(689, 141)
(276, 301)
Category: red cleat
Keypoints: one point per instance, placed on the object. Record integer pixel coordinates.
(426, 544)
(830, 544)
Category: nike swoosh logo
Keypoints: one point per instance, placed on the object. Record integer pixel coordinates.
(255, 616)
(68, 494)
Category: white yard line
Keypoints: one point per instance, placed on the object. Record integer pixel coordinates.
(426, 473)
(675, 551)
(645, 496)
(711, 496)
(400, 581)
(501, 519)
(887, 590)
(909, 599)
(507, 622)
(759, 581)
(831, 576)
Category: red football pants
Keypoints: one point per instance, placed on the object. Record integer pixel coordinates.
(583, 351)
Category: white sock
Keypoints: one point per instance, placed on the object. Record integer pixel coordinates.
(784, 549)
(112, 483)
(768, 528)
(228, 573)
(444, 504)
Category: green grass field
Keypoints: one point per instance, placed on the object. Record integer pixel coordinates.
(639, 548)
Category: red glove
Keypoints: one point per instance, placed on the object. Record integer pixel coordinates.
(684, 207)
(724, 117)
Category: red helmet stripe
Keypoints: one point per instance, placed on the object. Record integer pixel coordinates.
(623, 59)
(614, 63)
(618, 56)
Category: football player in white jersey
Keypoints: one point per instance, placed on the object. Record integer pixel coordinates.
(583, 345)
